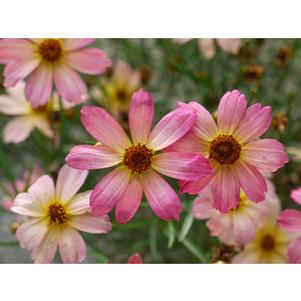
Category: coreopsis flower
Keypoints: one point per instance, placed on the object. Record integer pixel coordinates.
(20, 185)
(270, 244)
(47, 62)
(232, 146)
(54, 216)
(237, 226)
(138, 159)
(27, 117)
(135, 258)
(290, 220)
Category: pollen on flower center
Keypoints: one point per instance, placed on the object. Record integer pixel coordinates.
(224, 149)
(138, 158)
(57, 214)
(267, 243)
(50, 50)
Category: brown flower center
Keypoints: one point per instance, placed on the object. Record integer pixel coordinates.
(50, 50)
(122, 95)
(224, 149)
(57, 214)
(138, 158)
(267, 243)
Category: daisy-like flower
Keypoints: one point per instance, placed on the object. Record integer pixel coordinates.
(48, 62)
(138, 159)
(270, 243)
(55, 213)
(290, 220)
(135, 258)
(27, 118)
(237, 226)
(236, 154)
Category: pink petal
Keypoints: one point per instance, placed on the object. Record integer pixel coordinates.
(183, 166)
(243, 229)
(109, 191)
(69, 84)
(89, 157)
(294, 251)
(130, 200)
(42, 190)
(290, 219)
(39, 85)
(266, 154)
(72, 246)
(135, 258)
(296, 195)
(141, 114)
(172, 127)
(231, 109)
(207, 48)
(104, 128)
(231, 46)
(26, 204)
(202, 208)
(69, 181)
(42, 123)
(17, 130)
(17, 70)
(255, 122)
(90, 60)
(225, 189)
(246, 256)
(79, 204)
(251, 181)
(163, 200)
(75, 44)
(90, 224)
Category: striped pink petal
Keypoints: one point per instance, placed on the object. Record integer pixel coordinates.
(109, 191)
(26, 204)
(104, 128)
(89, 157)
(202, 208)
(243, 229)
(290, 219)
(296, 195)
(76, 44)
(162, 198)
(79, 204)
(141, 114)
(294, 251)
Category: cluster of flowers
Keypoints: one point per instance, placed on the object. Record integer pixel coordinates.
(222, 160)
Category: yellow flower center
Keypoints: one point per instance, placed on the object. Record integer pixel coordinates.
(267, 242)
(51, 50)
(56, 214)
(224, 149)
(138, 158)
(122, 95)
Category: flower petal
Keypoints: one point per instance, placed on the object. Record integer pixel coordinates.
(104, 128)
(79, 204)
(68, 183)
(182, 166)
(135, 258)
(90, 60)
(39, 85)
(26, 204)
(266, 154)
(69, 84)
(251, 181)
(231, 109)
(231, 46)
(162, 198)
(171, 127)
(246, 256)
(225, 189)
(89, 157)
(290, 219)
(243, 229)
(141, 115)
(202, 208)
(255, 122)
(130, 200)
(207, 48)
(294, 251)
(109, 191)
(75, 44)
(296, 195)
(91, 224)
(42, 123)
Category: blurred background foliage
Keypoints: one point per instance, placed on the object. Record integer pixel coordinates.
(265, 70)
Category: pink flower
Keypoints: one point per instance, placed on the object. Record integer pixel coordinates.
(135, 258)
(239, 225)
(139, 163)
(290, 220)
(48, 62)
(55, 213)
(236, 154)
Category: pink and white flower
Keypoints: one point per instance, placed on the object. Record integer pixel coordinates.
(47, 62)
(232, 146)
(137, 159)
(237, 226)
(55, 214)
(290, 220)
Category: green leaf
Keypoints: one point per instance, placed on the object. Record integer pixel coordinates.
(186, 225)
(171, 234)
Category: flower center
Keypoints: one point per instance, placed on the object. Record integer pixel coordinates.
(121, 95)
(224, 149)
(50, 50)
(267, 243)
(138, 158)
(57, 214)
